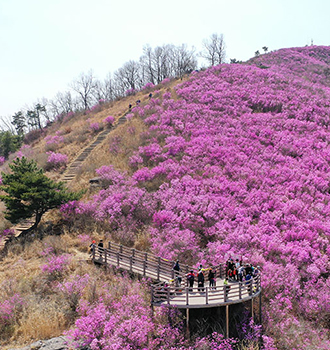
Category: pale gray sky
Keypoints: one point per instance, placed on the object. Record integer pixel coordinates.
(46, 44)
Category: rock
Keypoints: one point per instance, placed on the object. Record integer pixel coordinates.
(58, 343)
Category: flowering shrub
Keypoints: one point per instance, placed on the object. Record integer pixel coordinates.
(130, 92)
(239, 166)
(56, 139)
(7, 233)
(148, 86)
(56, 160)
(73, 289)
(55, 266)
(9, 312)
(2, 160)
(109, 120)
(95, 127)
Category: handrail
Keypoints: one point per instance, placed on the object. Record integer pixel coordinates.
(170, 290)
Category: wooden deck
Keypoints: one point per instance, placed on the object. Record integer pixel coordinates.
(166, 291)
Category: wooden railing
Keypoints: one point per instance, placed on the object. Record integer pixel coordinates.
(195, 296)
(145, 263)
(167, 291)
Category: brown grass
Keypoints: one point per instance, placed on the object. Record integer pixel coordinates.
(46, 313)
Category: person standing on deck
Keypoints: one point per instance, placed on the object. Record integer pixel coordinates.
(200, 280)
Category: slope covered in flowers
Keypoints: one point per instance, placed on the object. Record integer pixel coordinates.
(236, 163)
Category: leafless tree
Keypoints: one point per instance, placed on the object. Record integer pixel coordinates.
(214, 49)
(104, 90)
(61, 104)
(128, 76)
(158, 63)
(6, 123)
(84, 86)
(184, 60)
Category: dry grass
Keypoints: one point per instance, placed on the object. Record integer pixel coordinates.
(40, 321)
(45, 313)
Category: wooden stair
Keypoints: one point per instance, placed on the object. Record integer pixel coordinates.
(72, 170)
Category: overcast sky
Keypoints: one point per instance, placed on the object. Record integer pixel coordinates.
(46, 44)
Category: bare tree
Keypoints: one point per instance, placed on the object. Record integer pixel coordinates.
(84, 86)
(128, 76)
(214, 49)
(62, 104)
(104, 90)
(158, 63)
(184, 60)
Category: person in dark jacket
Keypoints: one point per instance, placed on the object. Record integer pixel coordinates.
(200, 280)
(100, 248)
(211, 277)
(191, 280)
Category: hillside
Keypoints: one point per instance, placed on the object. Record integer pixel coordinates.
(233, 162)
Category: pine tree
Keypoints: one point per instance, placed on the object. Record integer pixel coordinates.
(30, 193)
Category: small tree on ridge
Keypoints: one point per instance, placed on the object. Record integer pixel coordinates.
(30, 193)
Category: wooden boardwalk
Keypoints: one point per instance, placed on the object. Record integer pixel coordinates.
(166, 290)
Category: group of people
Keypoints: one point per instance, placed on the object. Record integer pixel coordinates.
(235, 271)
(191, 277)
(93, 246)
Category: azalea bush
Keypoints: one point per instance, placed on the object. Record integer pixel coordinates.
(56, 160)
(109, 120)
(238, 166)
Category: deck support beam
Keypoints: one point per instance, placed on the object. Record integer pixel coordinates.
(187, 323)
(227, 321)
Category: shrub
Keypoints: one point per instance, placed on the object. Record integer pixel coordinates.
(55, 266)
(95, 127)
(108, 121)
(10, 310)
(56, 160)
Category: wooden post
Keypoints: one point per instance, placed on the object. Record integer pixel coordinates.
(158, 268)
(227, 321)
(187, 296)
(105, 258)
(187, 323)
(120, 248)
(109, 245)
(118, 259)
(207, 295)
(252, 313)
(144, 268)
(168, 295)
(240, 290)
(225, 293)
(131, 263)
(260, 318)
(133, 252)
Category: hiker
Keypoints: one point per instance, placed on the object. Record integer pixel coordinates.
(227, 287)
(248, 282)
(200, 280)
(92, 247)
(100, 248)
(177, 269)
(191, 279)
(211, 277)
(240, 273)
(237, 266)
